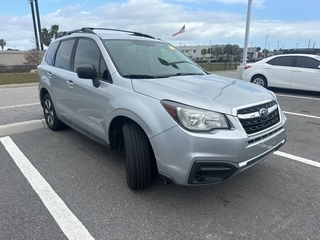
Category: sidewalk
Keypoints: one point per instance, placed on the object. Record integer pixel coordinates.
(20, 110)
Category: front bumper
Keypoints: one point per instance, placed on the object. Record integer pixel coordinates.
(188, 158)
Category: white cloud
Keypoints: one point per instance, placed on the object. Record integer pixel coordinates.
(161, 19)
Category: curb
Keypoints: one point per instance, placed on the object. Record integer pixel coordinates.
(14, 85)
(21, 127)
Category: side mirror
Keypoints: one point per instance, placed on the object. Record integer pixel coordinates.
(88, 71)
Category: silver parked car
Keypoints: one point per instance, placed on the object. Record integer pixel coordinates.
(130, 91)
(292, 71)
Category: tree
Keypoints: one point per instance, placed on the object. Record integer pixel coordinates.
(2, 43)
(227, 49)
(203, 52)
(33, 57)
(47, 35)
(217, 51)
(235, 51)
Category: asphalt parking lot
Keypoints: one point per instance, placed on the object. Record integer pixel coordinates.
(62, 185)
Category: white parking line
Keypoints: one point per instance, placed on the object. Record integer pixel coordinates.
(299, 159)
(67, 221)
(20, 105)
(293, 96)
(302, 115)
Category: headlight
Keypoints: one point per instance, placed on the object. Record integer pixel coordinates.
(195, 119)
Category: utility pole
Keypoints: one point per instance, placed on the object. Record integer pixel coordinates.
(34, 25)
(37, 29)
(278, 45)
(39, 25)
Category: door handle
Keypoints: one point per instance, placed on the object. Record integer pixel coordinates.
(294, 70)
(70, 83)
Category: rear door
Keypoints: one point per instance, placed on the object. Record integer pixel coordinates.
(61, 74)
(278, 71)
(306, 74)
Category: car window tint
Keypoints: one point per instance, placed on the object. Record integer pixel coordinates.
(286, 61)
(306, 62)
(51, 52)
(63, 54)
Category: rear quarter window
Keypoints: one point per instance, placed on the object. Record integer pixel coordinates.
(307, 62)
(51, 52)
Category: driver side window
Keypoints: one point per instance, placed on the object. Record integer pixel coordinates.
(87, 52)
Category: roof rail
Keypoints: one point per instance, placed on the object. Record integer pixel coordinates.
(90, 30)
(82, 30)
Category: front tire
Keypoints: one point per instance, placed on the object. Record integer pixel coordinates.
(50, 114)
(260, 80)
(138, 156)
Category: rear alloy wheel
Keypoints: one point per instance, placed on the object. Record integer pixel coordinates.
(138, 156)
(260, 80)
(50, 114)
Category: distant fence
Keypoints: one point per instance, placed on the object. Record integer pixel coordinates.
(17, 68)
(219, 66)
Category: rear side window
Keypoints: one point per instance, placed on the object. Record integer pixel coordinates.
(306, 62)
(286, 61)
(64, 54)
(51, 52)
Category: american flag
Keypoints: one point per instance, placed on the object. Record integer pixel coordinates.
(181, 31)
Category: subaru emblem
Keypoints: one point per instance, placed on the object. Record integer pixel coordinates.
(263, 112)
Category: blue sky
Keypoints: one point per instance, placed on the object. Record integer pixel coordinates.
(287, 23)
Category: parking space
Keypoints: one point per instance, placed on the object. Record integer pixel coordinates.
(276, 199)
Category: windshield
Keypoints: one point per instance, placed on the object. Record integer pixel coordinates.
(149, 59)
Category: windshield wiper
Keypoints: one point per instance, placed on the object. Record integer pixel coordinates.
(184, 74)
(164, 62)
(139, 76)
(142, 76)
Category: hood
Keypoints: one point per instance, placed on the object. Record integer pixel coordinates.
(211, 92)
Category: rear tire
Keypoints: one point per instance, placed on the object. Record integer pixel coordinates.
(138, 156)
(260, 80)
(50, 114)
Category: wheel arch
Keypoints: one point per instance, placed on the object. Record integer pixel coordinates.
(42, 93)
(259, 75)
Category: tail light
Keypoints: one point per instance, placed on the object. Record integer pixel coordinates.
(246, 67)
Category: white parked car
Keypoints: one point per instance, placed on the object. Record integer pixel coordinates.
(294, 71)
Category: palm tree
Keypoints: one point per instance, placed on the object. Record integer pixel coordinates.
(217, 51)
(235, 50)
(227, 49)
(54, 31)
(48, 35)
(2, 43)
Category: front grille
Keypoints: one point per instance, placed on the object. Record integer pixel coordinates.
(257, 124)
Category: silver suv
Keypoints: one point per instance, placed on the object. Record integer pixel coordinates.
(132, 92)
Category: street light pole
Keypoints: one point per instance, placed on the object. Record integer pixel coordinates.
(265, 48)
(245, 49)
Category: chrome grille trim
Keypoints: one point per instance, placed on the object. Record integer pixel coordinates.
(251, 120)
